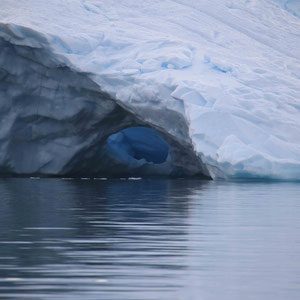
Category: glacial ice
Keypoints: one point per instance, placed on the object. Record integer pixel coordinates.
(292, 6)
(175, 87)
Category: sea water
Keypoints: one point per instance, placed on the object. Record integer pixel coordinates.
(149, 239)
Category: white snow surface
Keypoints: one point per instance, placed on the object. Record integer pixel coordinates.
(230, 68)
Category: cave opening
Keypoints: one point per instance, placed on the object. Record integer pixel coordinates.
(137, 146)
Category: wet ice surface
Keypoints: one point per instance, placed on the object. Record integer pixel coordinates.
(149, 239)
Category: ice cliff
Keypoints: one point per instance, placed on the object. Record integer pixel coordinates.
(205, 88)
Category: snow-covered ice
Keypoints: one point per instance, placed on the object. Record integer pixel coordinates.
(219, 80)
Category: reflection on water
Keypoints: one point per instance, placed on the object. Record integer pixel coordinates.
(149, 239)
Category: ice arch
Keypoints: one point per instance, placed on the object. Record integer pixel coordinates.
(59, 122)
(135, 144)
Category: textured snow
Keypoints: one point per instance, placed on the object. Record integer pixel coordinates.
(218, 79)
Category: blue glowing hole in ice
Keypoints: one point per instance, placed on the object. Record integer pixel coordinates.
(138, 143)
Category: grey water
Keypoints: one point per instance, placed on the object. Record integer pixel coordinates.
(149, 239)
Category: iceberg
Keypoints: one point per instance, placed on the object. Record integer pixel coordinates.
(159, 88)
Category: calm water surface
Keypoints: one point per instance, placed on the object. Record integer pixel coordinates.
(149, 239)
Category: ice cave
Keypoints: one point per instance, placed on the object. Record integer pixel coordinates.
(144, 151)
(138, 144)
